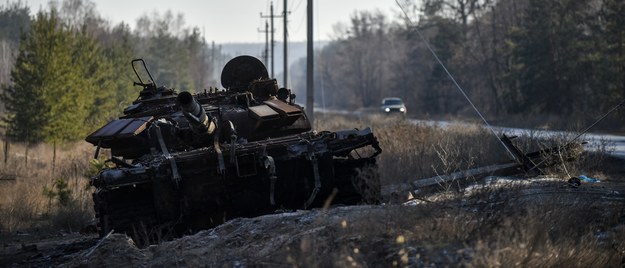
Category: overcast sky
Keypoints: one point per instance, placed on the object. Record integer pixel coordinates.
(226, 21)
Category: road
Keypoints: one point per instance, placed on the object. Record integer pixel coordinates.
(613, 144)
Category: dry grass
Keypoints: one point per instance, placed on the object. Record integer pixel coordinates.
(412, 151)
(509, 230)
(553, 236)
(491, 228)
(29, 193)
(498, 228)
(552, 232)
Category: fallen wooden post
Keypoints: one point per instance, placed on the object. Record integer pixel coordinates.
(528, 163)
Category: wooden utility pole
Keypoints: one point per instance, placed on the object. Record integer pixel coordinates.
(266, 52)
(309, 64)
(286, 62)
(271, 16)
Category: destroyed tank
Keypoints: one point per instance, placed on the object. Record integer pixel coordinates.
(181, 162)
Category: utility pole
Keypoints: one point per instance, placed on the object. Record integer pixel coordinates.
(271, 16)
(266, 52)
(286, 62)
(213, 62)
(309, 64)
(203, 62)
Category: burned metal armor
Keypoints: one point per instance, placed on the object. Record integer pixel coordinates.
(182, 162)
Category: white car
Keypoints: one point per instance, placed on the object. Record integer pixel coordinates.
(393, 105)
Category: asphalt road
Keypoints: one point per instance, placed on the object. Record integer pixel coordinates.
(613, 144)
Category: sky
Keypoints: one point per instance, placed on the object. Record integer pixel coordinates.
(228, 21)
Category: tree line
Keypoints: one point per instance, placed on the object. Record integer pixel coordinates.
(66, 71)
(523, 58)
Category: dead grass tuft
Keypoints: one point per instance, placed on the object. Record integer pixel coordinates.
(552, 233)
(32, 198)
(513, 225)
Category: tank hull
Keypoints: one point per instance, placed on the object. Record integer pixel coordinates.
(183, 162)
(293, 172)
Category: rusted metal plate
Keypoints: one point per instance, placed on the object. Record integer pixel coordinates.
(289, 112)
(109, 129)
(119, 129)
(283, 108)
(263, 112)
(135, 127)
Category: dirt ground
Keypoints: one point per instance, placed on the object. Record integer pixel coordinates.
(496, 222)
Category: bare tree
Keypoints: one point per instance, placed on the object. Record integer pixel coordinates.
(361, 61)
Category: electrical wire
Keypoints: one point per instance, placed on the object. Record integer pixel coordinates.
(296, 6)
(427, 44)
(597, 122)
(475, 108)
(584, 131)
(296, 30)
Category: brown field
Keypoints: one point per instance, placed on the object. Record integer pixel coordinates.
(31, 182)
(542, 223)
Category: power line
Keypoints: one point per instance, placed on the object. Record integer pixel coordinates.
(273, 42)
(299, 25)
(427, 44)
(297, 6)
(585, 130)
(266, 51)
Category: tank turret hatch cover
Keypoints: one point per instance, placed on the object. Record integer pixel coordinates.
(241, 71)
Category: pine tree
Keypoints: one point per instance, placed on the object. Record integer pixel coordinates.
(614, 53)
(119, 50)
(40, 68)
(60, 83)
(551, 51)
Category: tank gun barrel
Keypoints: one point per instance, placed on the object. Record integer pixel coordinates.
(195, 114)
